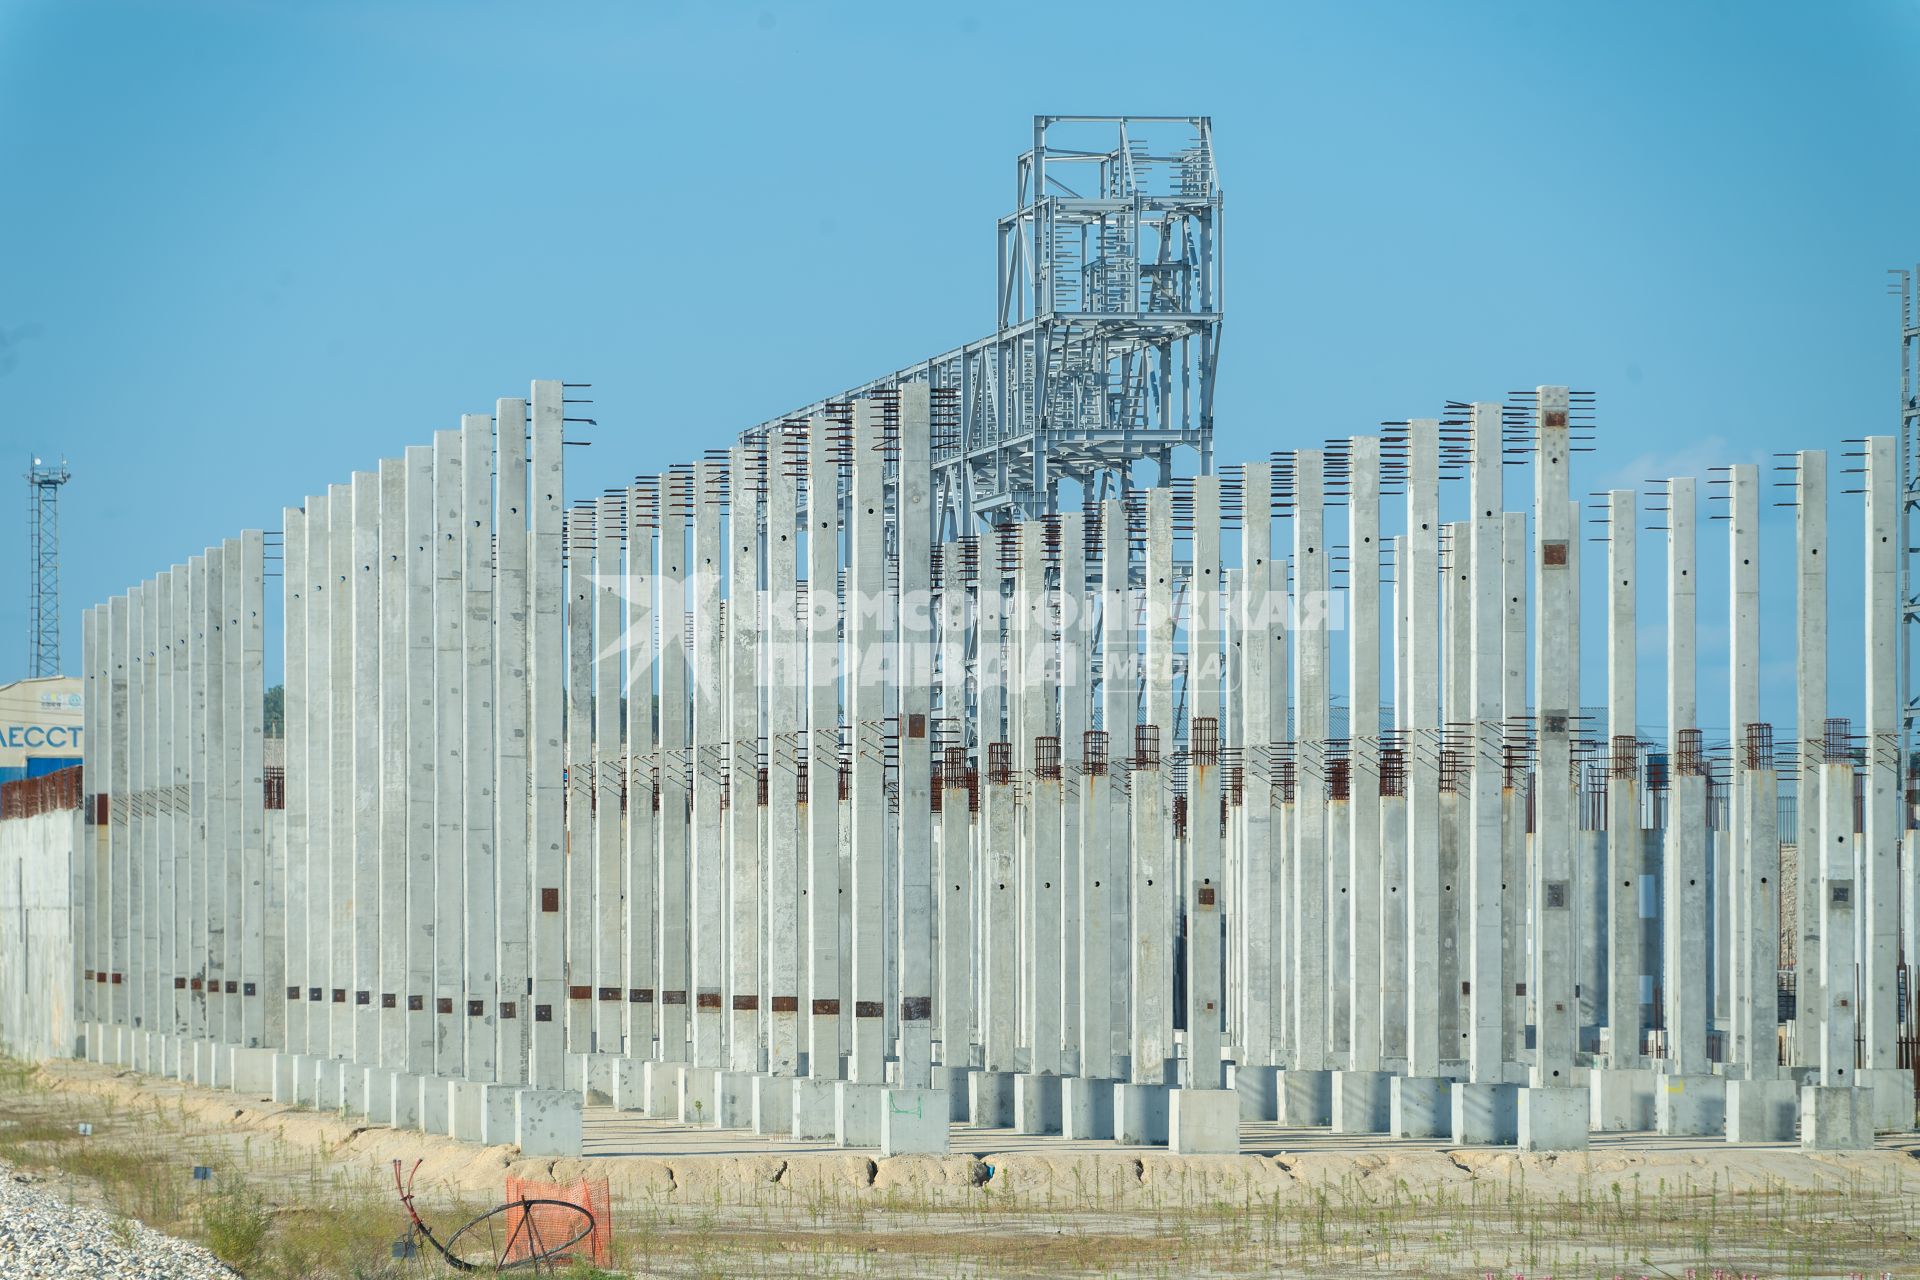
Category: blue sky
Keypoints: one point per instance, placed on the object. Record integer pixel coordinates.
(246, 248)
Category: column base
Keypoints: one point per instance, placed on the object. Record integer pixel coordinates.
(770, 1099)
(546, 1122)
(815, 1109)
(466, 1101)
(436, 1113)
(1486, 1114)
(695, 1101)
(1362, 1102)
(660, 1087)
(959, 1095)
(857, 1108)
(1762, 1110)
(374, 1094)
(1553, 1118)
(403, 1099)
(1141, 1114)
(1689, 1106)
(1086, 1108)
(1203, 1122)
(286, 1074)
(733, 1099)
(913, 1122)
(1621, 1099)
(499, 1114)
(629, 1084)
(1305, 1097)
(990, 1099)
(1835, 1118)
(1259, 1090)
(1420, 1107)
(1892, 1097)
(596, 1078)
(1036, 1104)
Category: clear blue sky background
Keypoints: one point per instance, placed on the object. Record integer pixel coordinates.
(246, 248)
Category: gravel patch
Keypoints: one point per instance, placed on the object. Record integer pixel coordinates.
(42, 1236)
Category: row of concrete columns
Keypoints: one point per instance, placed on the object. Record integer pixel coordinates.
(729, 796)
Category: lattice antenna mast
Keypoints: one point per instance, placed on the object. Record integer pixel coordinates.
(43, 566)
(1902, 288)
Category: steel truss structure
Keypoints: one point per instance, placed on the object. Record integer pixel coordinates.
(1909, 317)
(43, 566)
(1107, 335)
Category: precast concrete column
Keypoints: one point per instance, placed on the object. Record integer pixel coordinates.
(866, 716)
(1743, 689)
(1757, 1015)
(1880, 839)
(136, 973)
(1363, 703)
(159, 980)
(1041, 988)
(913, 676)
(786, 669)
(1551, 978)
(217, 899)
(1104, 983)
(608, 918)
(743, 876)
(707, 863)
(93, 771)
(363, 589)
(1309, 921)
(1206, 896)
(1152, 888)
(185, 843)
(1000, 921)
(315, 782)
(1486, 1031)
(1810, 698)
(421, 542)
(231, 731)
(580, 538)
(295, 767)
(546, 707)
(1073, 678)
(1395, 919)
(480, 937)
(449, 740)
(391, 568)
(954, 882)
(1518, 729)
(1624, 842)
(1837, 1017)
(1417, 572)
(260, 970)
(822, 762)
(1456, 790)
(1684, 898)
(114, 954)
(643, 757)
(511, 707)
(676, 499)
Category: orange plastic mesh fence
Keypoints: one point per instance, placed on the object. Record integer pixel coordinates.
(555, 1225)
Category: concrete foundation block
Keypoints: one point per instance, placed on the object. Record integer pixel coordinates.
(1362, 1102)
(770, 1099)
(1305, 1098)
(695, 1103)
(546, 1122)
(435, 1111)
(1486, 1114)
(856, 1108)
(203, 1059)
(347, 1081)
(465, 1099)
(959, 1093)
(816, 1109)
(913, 1122)
(1086, 1108)
(138, 1054)
(1203, 1122)
(629, 1084)
(733, 1099)
(1688, 1106)
(1036, 1104)
(1141, 1114)
(286, 1087)
(1553, 1118)
(1620, 1099)
(1891, 1097)
(990, 1099)
(499, 1114)
(1762, 1110)
(1835, 1119)
(597, 1078)
(660, 1084)
(403, 1100)
(1421, 1107)
(375, 1095)
(1259, 1090)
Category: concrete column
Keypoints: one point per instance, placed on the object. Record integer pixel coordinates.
(1761, 1105)
(744, 884)
(580, 538)
(293, 614)
(1395, 922)
(1040, 994)
(1152, 889)
(1810, 696)
(232, 730)
(914, 677)
(391, 568)
(821, 792)
(1838, 1017)
(449, 741)
(136, 973)
(511, 696)
(364, 770)
(546, 762)
(114, 954)
(1743, 665)
(316, 783)
(1516, 713)
(1880, 848)
(480, 938)
(160, 979)
(1103, 825)
(1363, 684)
(786, 671)
(707, 861)
(866, 714)
(955, 883)
(676, 499)
(1553, 1115)
(1262, 633)
(1073, 679)
(1684, 900)
(186, 849)
(608, 950)
(643, 757)
(217, 900)
(1486, 1035)
(1206, 896)
(421, 541)
(1456, 792)
(1624, 842)
(1309, 924)
(260, 970)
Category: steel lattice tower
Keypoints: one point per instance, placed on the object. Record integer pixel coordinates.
(43, 566)
(1902, 288)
